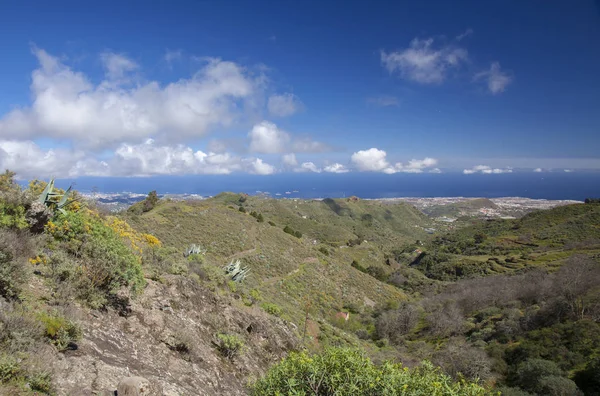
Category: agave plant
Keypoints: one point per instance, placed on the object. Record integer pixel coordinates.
(194, 249)
(46, 197)
(235, 271)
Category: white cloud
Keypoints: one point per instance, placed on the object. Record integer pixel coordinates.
(485, 169)
(435, 170)
(374, 160)
(568, 170)
(538, 170)
(464, 34)
(308, 167)
(289, 159)
(173, 55)
(371, 160)
(30, 161)
(284, 105)
(67, 105)
(307, 145)
(497, 80)
(145, 159)
(423, 63)
(266, 138)
(336, 168)
(117, 65)
(258, 167)
(384, 101)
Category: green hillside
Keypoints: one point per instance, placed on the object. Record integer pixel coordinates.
(539, 239)
(314, 288)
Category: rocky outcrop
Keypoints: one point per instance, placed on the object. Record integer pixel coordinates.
(166, 337)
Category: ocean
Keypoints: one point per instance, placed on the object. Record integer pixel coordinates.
(550, 185)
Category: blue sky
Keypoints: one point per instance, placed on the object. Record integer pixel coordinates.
(263, 87)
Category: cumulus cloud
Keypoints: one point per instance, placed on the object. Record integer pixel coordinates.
(485, 169)
(423, 62)
(117, 65)
(284, 105)
(67, 105)
(289, 159)
(496, 79)
(308, 167)
(258, 167)
(384, 101)
(267, 138)
(371, 160)
(375, 160)
(336, 168)
(144, 159)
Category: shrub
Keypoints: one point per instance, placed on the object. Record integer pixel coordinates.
(15, 247)
(324, 250)
(10, 369)
(242, 209)
(359, 267)
(272, 223)
(393, 324)
(107, 262)
(260, 218)
(230, 345)
(60, 331)
(272, 309)
(342, 371)
(528, 375)
(588, 379)
(41, 382)
(554, 385)
(288, 230)
(377, 273)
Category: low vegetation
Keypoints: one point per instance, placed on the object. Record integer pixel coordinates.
(378, 305)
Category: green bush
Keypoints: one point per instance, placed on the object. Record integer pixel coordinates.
(230, 345)
(528, 375)
(105, 263)
(242, 209)
(588, 379)
(341, 371)
(41, 382)
(324, 250)
(60, 331)
(10, 370)
(272, 224)
(356, 264)
(273, 309)
(297, 234)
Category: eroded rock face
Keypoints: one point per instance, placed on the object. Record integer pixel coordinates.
(167, 338)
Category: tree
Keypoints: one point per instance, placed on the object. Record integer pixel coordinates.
(529, 374)
(7, 180)
(151, 201)
(394, 324)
